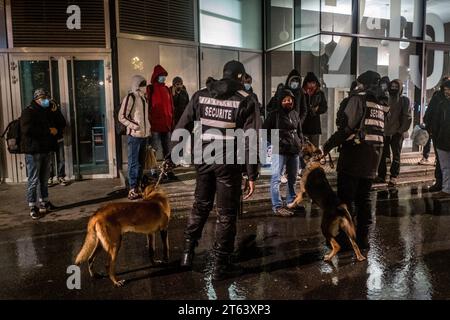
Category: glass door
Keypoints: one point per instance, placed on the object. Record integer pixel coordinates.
(87, 101)
(82, 86)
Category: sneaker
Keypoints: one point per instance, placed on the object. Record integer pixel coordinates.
(35, 213)
(63, 181)
(46, 207)
(284, 179)
(392, 182)
(283, 212)
(424, 162)
(134, 195)
(51, 183)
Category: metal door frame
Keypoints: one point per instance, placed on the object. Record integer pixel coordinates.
(63, 74)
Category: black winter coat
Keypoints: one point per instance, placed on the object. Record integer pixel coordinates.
(180, 101)
(56, 120)
(289, 124)
(312, 123)
(441, 127)
(35, 130)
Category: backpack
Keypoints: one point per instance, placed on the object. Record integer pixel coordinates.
(121, 129)
(12, 133)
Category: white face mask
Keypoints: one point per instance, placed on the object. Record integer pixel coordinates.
(142, 90)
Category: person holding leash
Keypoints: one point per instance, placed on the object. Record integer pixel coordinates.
(223, 181)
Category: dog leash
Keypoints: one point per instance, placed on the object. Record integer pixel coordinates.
(163, 172)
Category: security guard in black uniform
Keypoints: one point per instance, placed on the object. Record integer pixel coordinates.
(220, 106)
(360, 137)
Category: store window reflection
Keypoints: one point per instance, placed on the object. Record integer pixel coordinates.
(438, 21)
(388, 59)
(391, 18)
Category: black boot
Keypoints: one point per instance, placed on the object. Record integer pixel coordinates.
(188, 253)
(224, 269)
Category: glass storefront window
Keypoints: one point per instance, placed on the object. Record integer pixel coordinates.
(388, 59)
(438, 21)
(279, 63)
(231, 23)
(336, 16)
(307, 18)
(391, 18)
(280, 22)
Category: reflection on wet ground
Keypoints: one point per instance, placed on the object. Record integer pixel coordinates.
(408, 258)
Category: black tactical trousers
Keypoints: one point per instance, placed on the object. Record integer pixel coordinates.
(225, 182)
(356, 191)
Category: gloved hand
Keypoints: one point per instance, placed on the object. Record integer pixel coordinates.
(168, 165)
(53, 131)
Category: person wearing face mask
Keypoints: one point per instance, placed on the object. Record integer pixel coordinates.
(360, 136)
(287, 121)
(133, 115)
(293, 83)
(314, 102)
(180, 98)
(441, 138)
(37, 141)
(161, 105)
(396, 128)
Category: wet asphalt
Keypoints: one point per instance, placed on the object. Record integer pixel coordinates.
(409, 258)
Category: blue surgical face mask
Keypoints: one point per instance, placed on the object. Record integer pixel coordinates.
(161, 79)
(294, 85)
(247, 86)
(45, 103)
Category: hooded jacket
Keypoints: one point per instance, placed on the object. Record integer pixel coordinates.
(289, 125)
(35, 130)
(399, 118)
(441, 126)
(357, 160)
(134, 111)
(314, 104)
(247, 115)
(180, 101)
(161, 103)
(432, 110)
(299, 107)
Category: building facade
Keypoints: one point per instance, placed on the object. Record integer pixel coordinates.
(85, 52)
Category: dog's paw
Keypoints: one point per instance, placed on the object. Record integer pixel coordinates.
(119, 283)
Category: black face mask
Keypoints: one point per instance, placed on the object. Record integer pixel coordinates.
(393, 91)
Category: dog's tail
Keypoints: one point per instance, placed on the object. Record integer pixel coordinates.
(89, 243)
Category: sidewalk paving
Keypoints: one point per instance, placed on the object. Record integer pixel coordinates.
(80, 199)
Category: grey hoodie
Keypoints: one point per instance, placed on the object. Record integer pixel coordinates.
(134, 114)
(399, 117)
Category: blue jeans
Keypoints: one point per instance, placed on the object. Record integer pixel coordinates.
(444, 161)
(278, 162)
(60, 162)
(136, 157)
(38, 171)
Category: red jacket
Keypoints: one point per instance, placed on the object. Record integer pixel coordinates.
(160, 102)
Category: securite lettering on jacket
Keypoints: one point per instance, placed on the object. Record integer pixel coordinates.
(218, 113)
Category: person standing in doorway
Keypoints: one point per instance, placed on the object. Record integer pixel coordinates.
(37, 139)
(57, 118)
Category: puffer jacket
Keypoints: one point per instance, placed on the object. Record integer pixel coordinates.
(35, 130)
(134, 114)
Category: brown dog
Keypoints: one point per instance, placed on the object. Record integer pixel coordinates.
(336, 216)
(106, 226)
